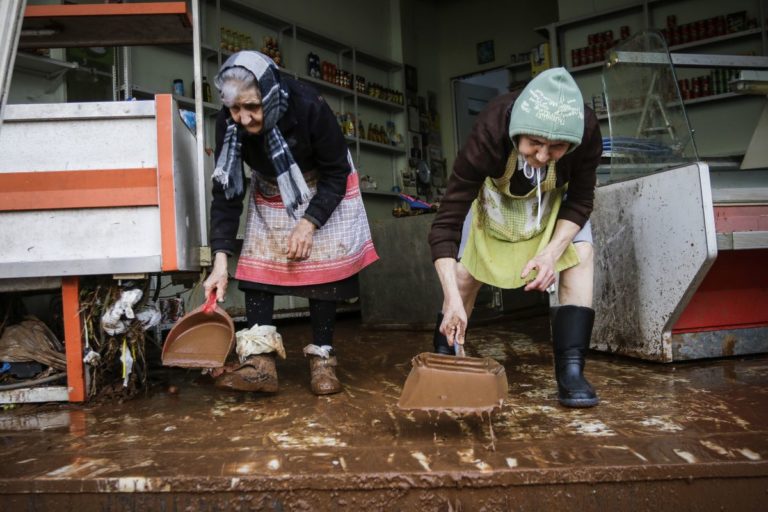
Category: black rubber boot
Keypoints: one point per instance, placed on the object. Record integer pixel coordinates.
(440, 341)
(571, 331)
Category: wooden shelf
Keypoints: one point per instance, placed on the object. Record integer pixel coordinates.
(83, 25)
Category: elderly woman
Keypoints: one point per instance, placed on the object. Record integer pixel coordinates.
(525, 150)
(306, 231)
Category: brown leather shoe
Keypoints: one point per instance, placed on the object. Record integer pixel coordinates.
(257, 373)
(323, 375)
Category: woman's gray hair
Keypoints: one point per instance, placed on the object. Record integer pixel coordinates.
(232, 82)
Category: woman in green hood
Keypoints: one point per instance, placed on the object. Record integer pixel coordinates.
(516, 212)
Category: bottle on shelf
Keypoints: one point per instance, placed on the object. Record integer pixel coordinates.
(178, 87)
(206, 90)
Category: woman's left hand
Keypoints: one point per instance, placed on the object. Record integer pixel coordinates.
(544, 264)
(299, 243)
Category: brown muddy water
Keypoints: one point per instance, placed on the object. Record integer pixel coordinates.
(688, 436)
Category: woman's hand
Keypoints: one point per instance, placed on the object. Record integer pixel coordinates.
(217, 281)
(454, 323)
(299, 243)
(544, 264)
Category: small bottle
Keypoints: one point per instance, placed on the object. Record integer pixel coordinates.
(178, 87)
(206, 90)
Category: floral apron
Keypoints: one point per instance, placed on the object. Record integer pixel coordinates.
(340, 249)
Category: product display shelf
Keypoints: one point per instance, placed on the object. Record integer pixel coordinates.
(387, 148)
(43, 65)
(388, 105)
(546, 30)
(295, 41)
(140, 92)
(694, 101)
(518, 65)
(686, 46)
(375, 146)
(566, 34)
(323, 85)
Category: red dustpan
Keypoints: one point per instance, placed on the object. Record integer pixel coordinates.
(200, 339)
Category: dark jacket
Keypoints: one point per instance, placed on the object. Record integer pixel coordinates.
(485, 155)
(313, 135)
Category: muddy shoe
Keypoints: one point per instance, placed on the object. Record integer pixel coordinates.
(257, 373)
(323, 375)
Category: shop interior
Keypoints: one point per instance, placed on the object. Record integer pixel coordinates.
(108, 131)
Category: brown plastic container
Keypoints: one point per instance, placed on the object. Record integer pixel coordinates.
(200, 339)
(451, 383)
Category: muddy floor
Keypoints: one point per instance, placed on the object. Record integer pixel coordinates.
(688, 436)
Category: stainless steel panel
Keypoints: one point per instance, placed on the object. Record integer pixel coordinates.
(79, 242)
(80, 111)
(30, 284)
(87, 241)
(188, 220)
(11, 16)
(690, 60)
(654, 242)
(721, 343)
(63, 142)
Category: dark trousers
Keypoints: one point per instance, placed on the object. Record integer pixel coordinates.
(260, 306)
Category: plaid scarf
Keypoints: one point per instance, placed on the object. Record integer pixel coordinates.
(274, 99)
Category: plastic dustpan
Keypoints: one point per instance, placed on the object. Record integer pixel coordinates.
(200, 339)
(452, 383)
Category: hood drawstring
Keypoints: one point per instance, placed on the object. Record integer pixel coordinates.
(528, 172)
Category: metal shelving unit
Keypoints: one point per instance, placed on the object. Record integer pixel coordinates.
(291, 36)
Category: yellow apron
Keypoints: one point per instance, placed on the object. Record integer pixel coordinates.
(504, 234)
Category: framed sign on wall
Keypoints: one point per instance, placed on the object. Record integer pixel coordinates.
(485, 53)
